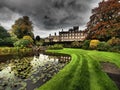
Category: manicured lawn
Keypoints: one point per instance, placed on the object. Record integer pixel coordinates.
(83, 72)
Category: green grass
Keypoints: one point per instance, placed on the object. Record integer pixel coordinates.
(83, 72)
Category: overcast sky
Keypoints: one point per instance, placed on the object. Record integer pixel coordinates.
(48, 16)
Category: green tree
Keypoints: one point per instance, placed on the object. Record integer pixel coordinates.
(3, 33)
(37, 38)
(4, 37)
(22, 27)
(86, 44)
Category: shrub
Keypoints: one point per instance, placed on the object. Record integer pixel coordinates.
(75, 44)
(56, 46)
(103, 46)
(115, 49)
(85, 44)
(94, 44)
(114, 41)
(1, 42)
(40, 42)
(9, 41)
(115, 44)
(22, 43)
(28, 38)
(5, 50)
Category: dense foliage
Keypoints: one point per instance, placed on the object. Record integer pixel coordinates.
(86, 44)
(56, 46)
(5, 38)
(28, 38)
(37, 38)
(3, 33)
(22, 43)
(105, 21)
(14, 51)
(114, 41)
(75, 44)
(103, 46)
(22, 27)
(94, 44)
(115, 44)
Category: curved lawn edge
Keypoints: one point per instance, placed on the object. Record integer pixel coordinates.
(55, 82)
(82, 73)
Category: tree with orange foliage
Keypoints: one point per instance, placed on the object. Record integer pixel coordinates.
(105, 21)
(22, 27)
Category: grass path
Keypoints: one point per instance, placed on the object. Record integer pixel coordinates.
(83, 72)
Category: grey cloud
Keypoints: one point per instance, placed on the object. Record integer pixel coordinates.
(50, 14)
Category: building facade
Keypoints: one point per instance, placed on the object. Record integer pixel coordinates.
(73, 34)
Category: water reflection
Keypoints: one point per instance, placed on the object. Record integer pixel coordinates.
(29, 73)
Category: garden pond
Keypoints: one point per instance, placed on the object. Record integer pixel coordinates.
(29, 73)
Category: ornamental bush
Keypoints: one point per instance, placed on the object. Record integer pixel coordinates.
(94, 44)
(22, 43)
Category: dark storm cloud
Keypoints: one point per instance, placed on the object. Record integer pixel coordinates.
(50, 14)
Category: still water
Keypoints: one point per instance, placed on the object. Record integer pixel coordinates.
(28, 73)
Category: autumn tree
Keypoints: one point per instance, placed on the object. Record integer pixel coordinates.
(105, 21)
(22, 27)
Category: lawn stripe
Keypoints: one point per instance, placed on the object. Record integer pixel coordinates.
(65, 79)
(83, 72)
(102, 79)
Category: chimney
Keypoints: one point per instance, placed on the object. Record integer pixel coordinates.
(76, 28)
(55, 33)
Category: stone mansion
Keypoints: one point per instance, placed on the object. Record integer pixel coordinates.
(73, 34)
